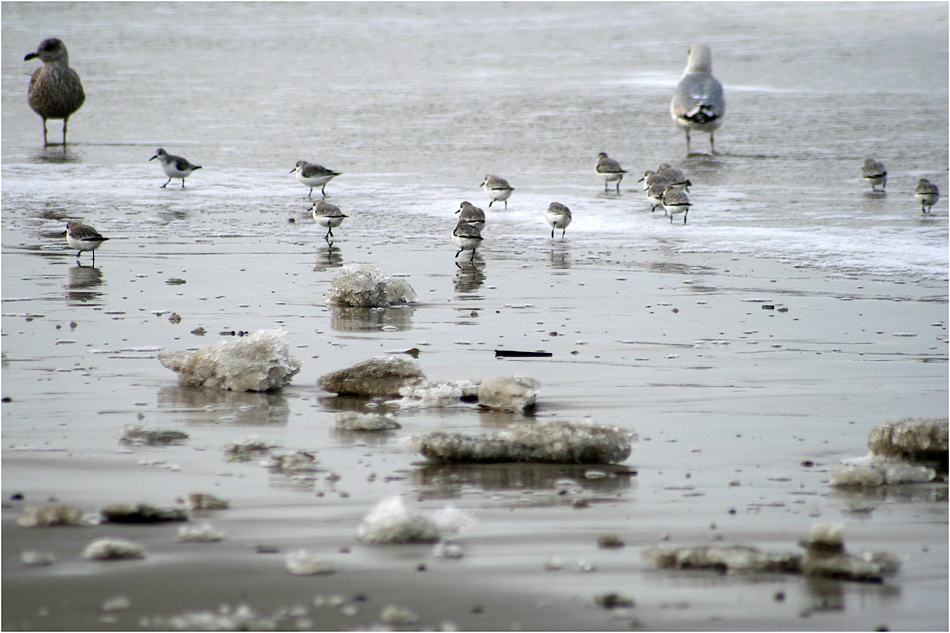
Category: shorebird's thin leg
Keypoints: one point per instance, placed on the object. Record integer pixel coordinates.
(45, 144)
(65, 121)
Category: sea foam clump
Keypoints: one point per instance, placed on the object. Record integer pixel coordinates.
(113, 549)
(364, 286)
(391, 522)
(914, 440)
(50, 516)
(383, 376)
(259, 362)
(736, 558)
(553, 442)
(437, 395)
(517, 393)
(353, 421)
(826, 556)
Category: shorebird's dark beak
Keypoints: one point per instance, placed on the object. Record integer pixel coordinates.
(29, 57)
(154, 157)
(293, 170)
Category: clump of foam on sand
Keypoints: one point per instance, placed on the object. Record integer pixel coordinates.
(553, 442)
(437, 395)
(51, 516)
(516, 393)
(902, 452)
(303, 563)
(246, 449)
(391, 522)
(259, 362)
(353, 421)
(910, 439)
(113, 549)
(383, 376)
(364, 286)
(825, 556)
(203, 533)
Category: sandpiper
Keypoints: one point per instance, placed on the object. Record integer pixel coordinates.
(55, 89)
(497, 189)
(558, 216)
(875, 173)
(327, 215)
(312, 176)
(926, 194)
(655, 194)
(83, 237)
(466, 237)
(468, 212)
(675, 201)
(676, 176)
(174, 166)
(609, 169)
(698, 104)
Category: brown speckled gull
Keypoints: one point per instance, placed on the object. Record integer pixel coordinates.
(55, 89)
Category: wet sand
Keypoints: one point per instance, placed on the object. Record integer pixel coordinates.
(746, 379)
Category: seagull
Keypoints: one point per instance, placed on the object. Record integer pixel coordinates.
(174, 166)
(497, 189)
(312, 176)
(328, 215)
(610, 170)
(55, 89)
(875, 173)
(926, 194)
(698, 104)
(468, 212)
(83, 237)
(558, 216)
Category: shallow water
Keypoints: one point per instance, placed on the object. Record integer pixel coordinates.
(653, 326)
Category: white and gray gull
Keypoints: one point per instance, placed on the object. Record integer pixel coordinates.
(698, 104)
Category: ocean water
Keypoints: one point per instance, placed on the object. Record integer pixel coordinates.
(415, 103)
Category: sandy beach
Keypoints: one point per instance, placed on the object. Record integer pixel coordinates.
(750, 350)
(741, 412)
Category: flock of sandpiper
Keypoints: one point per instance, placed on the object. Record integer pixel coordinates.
(698, 105)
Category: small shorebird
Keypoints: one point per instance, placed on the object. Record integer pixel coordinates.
(875, 173)
(651, 178)
(655, 194)
(468, 212)
(466, 237)
(83, 237)
(311, 175)
(926, 194)
(558, 216)
(609, 169)
(328, 215)
(675, 201)
(676, 176)
(55, 89)
(497, 189)
(174, 166)
(698, 104)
